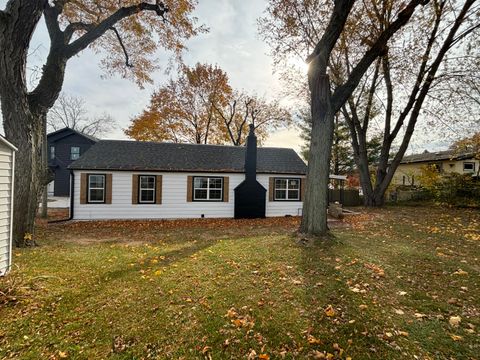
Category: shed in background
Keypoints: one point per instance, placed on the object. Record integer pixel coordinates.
(7, 171)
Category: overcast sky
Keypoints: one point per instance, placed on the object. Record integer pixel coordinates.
(232, 43)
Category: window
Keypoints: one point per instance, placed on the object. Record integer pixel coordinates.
(146, 189)
(52, 152)
(96, 188)
(74, 152)
(469, 166)
(287, 189)
(207, 189)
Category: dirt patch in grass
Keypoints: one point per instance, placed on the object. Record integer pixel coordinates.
(397, 283)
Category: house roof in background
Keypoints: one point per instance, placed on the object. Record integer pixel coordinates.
(66, 131)
(436, 156)
(152, 156)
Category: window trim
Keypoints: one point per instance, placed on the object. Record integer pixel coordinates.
(470, 163)
(139, 200)
(71, 153)
(286, 194)
(221, 199)
(104, 189)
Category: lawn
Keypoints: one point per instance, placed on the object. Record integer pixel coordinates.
(396, 283)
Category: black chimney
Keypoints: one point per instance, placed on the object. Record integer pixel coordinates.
(250, 195)
(251, 156)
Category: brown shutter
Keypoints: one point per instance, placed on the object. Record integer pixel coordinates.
(226, 181)
(189, 188)
(303, 185)
(271, 188)
(108, 189)
(158, 190)
(134, 189)
(83, 188)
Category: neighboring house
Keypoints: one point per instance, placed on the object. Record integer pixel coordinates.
(444, 161)
(145, 180)
(7, 171)
(64, 147)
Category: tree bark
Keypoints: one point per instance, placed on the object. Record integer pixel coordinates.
(314, 219)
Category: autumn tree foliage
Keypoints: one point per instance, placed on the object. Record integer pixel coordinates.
(425, 70)
(300, 28)
(127, 32)
(200, 106)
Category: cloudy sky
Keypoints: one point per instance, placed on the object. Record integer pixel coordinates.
(232, 43)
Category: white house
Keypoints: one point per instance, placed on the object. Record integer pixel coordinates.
(7, 169)
(146, 180)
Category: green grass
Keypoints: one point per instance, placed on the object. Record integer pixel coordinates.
(222, 289)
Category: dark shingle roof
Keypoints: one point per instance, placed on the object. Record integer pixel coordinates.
(149, 156)
(436, 156)
(66, 131)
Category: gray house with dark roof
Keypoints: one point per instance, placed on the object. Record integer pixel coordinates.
(64, 147)
(146, 180)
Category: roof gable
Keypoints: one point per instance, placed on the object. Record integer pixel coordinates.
(62, 133)
(151, 156)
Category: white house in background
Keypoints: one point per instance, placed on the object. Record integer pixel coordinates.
(146, 180)
(7, 170)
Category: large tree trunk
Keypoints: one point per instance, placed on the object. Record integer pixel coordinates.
(28, 135)
(314, 220)
(23, 126)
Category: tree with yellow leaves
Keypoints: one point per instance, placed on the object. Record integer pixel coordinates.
(200, 106)
(128, 32)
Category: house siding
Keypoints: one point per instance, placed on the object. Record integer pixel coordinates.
(6, 171)
(174, 199)
(414, 170)
(62, 158)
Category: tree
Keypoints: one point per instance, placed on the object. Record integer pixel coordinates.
(201, 107)
(413, 76)
(69, 111)
(284, 31)
(436, 31)
(184, 109)
(130, 32)
(244, 109)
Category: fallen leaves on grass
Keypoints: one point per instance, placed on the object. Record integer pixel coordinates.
(329, 311)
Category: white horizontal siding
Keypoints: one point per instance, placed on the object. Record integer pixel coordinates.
(279, 208)
(174, 200)
(6, 166)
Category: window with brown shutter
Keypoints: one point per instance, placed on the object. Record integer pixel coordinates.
(158, 190)
(189, 188)
(134, 189)
(271, 188)
(303, 187)
(225, 188)
(83, 188)
(146, 189)
(108, 189)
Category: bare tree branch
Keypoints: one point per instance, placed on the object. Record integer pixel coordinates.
(105, 25)
(127, 63)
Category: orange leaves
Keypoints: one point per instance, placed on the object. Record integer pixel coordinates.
(329, 311)
(184, 109)
(238, 320)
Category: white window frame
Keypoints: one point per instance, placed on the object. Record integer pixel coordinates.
(207, 188)
(472, 170)
(96, 188)
(52, 152)
(140, 201)
(72, 153)
(287, 189)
